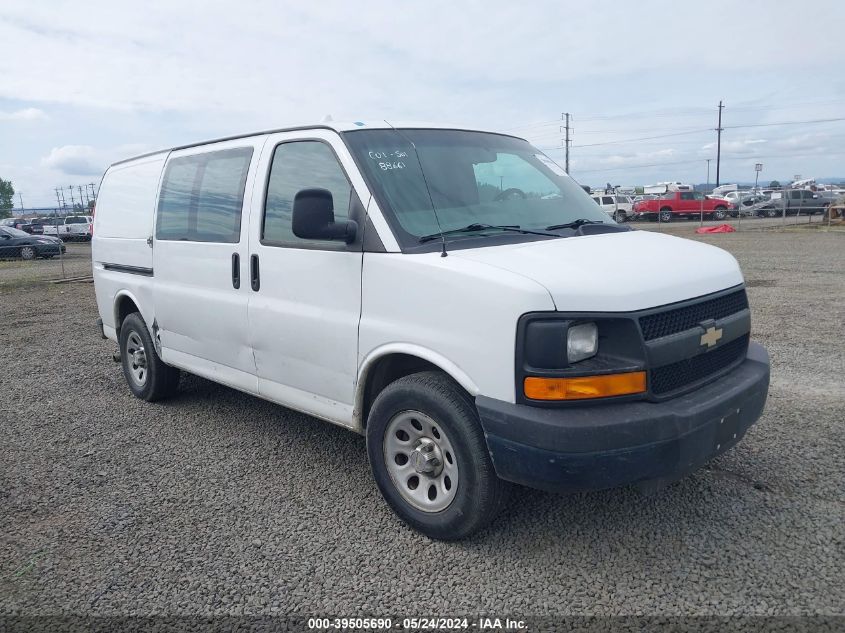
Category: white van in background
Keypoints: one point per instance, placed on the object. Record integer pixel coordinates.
(450, 294)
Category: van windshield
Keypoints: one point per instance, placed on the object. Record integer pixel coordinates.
(428, 180)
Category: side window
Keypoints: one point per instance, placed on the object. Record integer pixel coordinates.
(687, 195)
(301, 165)
(597, 199)
(795, 195)
(202, 197)
(607, 200)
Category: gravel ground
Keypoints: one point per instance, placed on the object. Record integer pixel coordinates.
(217, 502)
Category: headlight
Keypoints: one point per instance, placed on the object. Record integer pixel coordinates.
(582, 341)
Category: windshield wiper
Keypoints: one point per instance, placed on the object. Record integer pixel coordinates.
(572, 225)
(472, 228)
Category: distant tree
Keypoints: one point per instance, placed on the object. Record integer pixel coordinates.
(774, 184)
(7, 198)
(91, 204)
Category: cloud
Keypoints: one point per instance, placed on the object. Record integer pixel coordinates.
(74, 160)
(25, 114)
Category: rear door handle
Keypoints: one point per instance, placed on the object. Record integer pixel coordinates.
(236, 270)
(254, 275)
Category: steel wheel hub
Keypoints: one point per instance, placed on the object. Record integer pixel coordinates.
(421, 461)
(136, 359)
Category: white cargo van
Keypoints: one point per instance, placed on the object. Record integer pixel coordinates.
(451, 294)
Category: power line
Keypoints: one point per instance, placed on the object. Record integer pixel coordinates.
(642, 138)
(696, 160)
(735, 127)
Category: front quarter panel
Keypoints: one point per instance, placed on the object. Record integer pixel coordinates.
(461, 311)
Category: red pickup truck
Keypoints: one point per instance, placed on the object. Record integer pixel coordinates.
(680, 204)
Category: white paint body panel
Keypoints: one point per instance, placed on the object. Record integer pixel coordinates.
(304, 319)
(202, 318)
(616, 272)
(322, 318)
(462, 313)
(123, 222)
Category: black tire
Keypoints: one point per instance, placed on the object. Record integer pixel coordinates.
(771, 213)
(480, 495)
(719, 213)
(665, 214)
(28, 253)
(620, 216)
(159, 380)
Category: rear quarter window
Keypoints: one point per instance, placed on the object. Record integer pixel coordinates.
(202, 197)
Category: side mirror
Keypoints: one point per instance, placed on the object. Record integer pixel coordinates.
(313, 217)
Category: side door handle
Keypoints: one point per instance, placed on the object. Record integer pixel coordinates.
(254, 275)
(236, 271)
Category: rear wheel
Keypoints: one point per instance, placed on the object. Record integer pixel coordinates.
(665, 214)
(429, 458)
(148, 377)
(620, 216)
(771, 213)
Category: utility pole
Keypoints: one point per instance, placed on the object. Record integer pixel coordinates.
(80, 193)
(93, 191)
(58, 201)
(20, 197)
(72, 201)
(567, 141)
(708, 174)
(719, 143)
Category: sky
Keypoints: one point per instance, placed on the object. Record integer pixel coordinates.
(83, 84)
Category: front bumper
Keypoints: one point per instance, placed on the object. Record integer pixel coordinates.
(592, 447)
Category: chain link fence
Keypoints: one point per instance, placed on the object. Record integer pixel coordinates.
(41, 259)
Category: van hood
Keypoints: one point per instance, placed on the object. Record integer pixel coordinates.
(615, 272)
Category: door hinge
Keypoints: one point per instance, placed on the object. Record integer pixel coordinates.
(150, 241)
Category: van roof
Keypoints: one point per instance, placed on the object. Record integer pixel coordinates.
(337, 126)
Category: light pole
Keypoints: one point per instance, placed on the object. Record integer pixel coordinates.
(708, 174)
(758, 167)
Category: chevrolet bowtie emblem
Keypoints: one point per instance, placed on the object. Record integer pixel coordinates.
(711, 336)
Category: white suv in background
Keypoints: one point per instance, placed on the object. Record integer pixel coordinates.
(620, 208)
(77, 227)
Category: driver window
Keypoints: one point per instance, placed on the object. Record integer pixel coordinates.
(301, 165)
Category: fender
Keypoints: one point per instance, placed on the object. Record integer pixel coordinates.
(124, 292)
(450, 368)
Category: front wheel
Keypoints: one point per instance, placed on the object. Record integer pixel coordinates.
(148, 377)
(719, 213)
(429, 458)
(620, 217)
(29, 253)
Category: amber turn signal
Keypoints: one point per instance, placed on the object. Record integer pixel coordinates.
(584, 387)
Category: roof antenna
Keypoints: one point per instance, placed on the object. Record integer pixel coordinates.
(443, 252)
(327, 119)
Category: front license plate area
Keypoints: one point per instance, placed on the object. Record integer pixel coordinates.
(727, 431)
